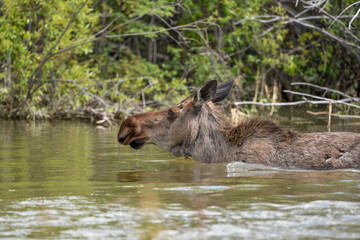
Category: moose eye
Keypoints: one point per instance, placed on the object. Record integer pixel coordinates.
(170, 113)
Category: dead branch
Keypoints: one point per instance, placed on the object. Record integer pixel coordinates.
(342, 101)
(306, 101)
(305, 21)
(348, 7)
(333, 114)
(320, 100)
(331, 36)
(355, 16)
(323, 88)
(314, 3)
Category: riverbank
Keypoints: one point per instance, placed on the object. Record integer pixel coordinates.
(303, 115)
(97, 116)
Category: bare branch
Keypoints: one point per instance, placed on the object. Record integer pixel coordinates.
(303, 21)
(346, 30)
(314, 3)
(333, 114)
(326, 99)
(322, 88)
(355, 16)
(261, 18)
(353, 4)
(325, 32)
(322, 100)
(292, 103)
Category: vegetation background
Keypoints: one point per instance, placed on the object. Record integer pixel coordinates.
(105, 59)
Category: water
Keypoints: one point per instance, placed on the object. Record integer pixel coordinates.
(71, 180)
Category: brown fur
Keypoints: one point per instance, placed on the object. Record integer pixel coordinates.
(259, 129)
(203, 132)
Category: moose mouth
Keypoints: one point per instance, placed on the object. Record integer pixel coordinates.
(138, 143)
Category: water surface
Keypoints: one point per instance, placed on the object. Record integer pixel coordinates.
(71, 180)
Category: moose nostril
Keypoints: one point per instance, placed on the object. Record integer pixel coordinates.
(122, 139)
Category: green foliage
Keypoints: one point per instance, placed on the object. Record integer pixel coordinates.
(136, 54)
(29, 30)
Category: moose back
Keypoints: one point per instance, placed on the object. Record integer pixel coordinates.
(197, 128)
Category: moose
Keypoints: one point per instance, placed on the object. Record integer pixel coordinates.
(197, 128)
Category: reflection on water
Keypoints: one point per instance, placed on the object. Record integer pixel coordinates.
(70, 180)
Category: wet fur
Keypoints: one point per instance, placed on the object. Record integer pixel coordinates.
(264, 142)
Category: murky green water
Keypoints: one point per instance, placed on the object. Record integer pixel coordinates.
(70, 180)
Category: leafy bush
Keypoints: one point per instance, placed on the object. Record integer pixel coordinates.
(131, 56)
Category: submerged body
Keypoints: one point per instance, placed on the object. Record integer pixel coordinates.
(197, 128)
(274, 146)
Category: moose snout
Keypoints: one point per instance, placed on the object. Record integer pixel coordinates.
(122, 138)
(124, 132)
(130, 130)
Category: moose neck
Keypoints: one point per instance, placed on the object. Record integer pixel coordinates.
(208, 143)
(213, 139)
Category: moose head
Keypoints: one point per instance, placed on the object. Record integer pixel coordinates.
(177, 128)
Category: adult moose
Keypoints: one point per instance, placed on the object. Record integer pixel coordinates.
(199, 129)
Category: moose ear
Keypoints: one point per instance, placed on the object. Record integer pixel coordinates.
(205, 93)
(223, 91)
